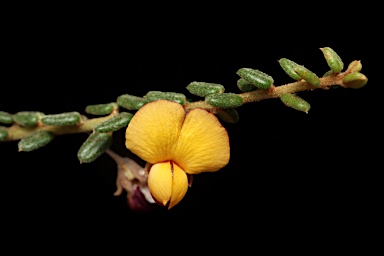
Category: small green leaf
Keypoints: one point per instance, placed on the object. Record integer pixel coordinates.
(36, 140)
(100, 109)
(69, 118)
(355, 80)
(355, 66)
(224, 100)
(289, 67)
(256, 77)
(307, 75)
(3, 134)
(115, 123)
(328, 73)
(131, 102)
(245, 86)
(171, 96)
(295, 102)
(5, 118)
(95, 145)
(203, 89)
(27, 118)
(333, 59)
(229, 115)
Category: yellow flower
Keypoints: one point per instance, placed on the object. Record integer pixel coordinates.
(175, 143)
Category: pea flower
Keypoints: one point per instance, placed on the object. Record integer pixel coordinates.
(176, 144)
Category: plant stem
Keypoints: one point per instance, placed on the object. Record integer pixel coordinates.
(17, 132)
(277, 91)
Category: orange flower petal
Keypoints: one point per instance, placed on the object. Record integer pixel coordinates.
(160, 182)
(179, 185)
(203, 145)
(153, 131)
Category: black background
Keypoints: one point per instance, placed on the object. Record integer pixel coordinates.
(289, 171)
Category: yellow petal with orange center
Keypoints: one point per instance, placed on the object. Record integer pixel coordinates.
(160, 182)
(153, 131)
(203, 145)
(179, 185)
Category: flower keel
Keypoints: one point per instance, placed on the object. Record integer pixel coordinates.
(168, 183)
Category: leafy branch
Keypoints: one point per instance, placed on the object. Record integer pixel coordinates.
(34, 129)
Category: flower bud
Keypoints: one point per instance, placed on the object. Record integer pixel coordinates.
(138, 202)
(35, 140)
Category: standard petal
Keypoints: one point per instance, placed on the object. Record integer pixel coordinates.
(203, 145)
(160, 182)
(154, 130)
(179, 185)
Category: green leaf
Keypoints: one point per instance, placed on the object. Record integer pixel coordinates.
(333, 59)
(3, 134)
(100, 109)
(35, 141)
(256, 77)
(69, 118)
(27, 118)
(171, 96)
(115, 123)
(355, 66)
(307, 75)
(203, 89)
(245, 86)
(95, 145)
(224, 100)
(289, 67)
(229, 115)
(355, 80)
(295, 102)
(5, 118)
(131, 102)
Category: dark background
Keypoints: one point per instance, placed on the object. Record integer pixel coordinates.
(288, 170)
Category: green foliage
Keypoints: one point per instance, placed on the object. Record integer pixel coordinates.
(115, 123)
(289, 67)
(203, 89)
(27, 118)
(69, 118)
(36, 140)
(307, 75)
(256, 77)
(224, 100)
(131, 102)
(100, 109)
(5, 118)
(95, 145)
